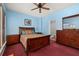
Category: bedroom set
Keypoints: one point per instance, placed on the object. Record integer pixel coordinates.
(32, 41)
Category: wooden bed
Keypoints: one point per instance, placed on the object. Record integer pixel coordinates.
(34, 42)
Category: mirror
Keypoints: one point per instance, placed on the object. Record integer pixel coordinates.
(71, 22)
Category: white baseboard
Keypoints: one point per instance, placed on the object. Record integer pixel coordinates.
(2, 49)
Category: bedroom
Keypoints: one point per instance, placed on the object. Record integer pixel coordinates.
(19, 16)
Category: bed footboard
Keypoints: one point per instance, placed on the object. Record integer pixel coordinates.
(37, 43)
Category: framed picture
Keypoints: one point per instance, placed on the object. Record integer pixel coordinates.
(27, 22)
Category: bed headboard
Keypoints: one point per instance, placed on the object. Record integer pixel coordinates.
(27, 29)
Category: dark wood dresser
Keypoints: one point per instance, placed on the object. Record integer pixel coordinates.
(69, 37)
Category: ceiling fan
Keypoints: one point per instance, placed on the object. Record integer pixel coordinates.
(40, 6)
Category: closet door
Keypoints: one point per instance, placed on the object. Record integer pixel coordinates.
(3, 28)
(0, 27)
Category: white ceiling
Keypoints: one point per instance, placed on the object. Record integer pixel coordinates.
(26, 8)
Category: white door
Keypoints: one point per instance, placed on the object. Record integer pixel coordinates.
(53, 29)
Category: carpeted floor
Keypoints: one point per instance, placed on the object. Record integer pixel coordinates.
(53, 49)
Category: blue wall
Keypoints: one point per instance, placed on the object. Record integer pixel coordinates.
(15, 19)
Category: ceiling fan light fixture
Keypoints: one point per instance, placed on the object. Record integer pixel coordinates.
(40, 7)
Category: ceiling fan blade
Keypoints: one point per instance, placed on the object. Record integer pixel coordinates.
(43, 4)
(35, 4)
(45, 8)
(34, 8)
(39, 10)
